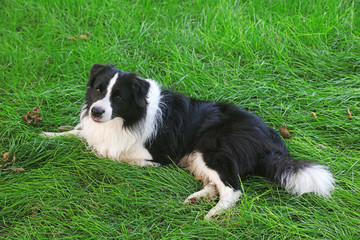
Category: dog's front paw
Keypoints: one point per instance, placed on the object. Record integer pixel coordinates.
(58, 134)
(150, 163)
(47, 134)
(142, 162)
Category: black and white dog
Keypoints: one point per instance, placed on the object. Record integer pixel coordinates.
(129, 119)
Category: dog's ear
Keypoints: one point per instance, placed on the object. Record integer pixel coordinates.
(94, 72)
(140, 89)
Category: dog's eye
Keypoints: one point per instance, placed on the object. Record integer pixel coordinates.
(117, 97)
(98, 90)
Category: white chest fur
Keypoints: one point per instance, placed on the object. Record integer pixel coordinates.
(110, 139)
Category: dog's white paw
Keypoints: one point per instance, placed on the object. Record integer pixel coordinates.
(142, 162)
(226, 202)
(58, 134)
(213, 213)
(208, 193)
(149, 163)
(47, 134)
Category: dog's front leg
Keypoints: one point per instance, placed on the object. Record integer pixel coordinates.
(142, 163)
(76, 132)
(138, 155)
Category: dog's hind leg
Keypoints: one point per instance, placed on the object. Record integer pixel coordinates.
(228, 199)
(209, 192)
(228, 196)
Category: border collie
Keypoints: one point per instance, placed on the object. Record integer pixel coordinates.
(134, 120)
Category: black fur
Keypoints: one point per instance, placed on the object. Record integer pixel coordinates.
(129, 98)
(139, 123)
(233, 141)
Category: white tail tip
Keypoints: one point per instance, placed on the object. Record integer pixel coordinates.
(313, 179)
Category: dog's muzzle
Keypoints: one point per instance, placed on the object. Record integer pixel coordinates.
(97, 113)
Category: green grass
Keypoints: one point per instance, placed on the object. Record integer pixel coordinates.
(280, 59)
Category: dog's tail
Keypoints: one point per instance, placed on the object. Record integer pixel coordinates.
(298, 177)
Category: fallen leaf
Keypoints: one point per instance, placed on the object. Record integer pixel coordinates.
(35, 116)
(37, 109)
(349, 113)
(285, 131)
(14, 169)
(82, 37)
(17, 169)
(26, 117)
(5, 156)
(314, 115)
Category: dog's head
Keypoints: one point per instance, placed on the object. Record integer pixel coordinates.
(114, 93)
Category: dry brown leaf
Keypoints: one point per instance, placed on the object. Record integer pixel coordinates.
(285, 131)
(80, 37)
(17, 169)
(37, 109)
(5, 156)
(349, 113)
(14, 169)
(35, 116)
(314, 115)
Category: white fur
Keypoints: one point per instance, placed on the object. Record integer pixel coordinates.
(213, 185)
(105, 103)
(316, 178)
(153, 111)
(228, 199)
(209, 193)
(53, 134)
(110, 139)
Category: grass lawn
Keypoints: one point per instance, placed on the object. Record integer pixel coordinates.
(280, 59)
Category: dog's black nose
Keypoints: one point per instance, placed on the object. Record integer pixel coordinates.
(97, 112)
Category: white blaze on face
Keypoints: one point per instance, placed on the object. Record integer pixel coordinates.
(105, 103)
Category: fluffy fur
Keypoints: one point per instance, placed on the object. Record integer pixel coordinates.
(134, 120)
